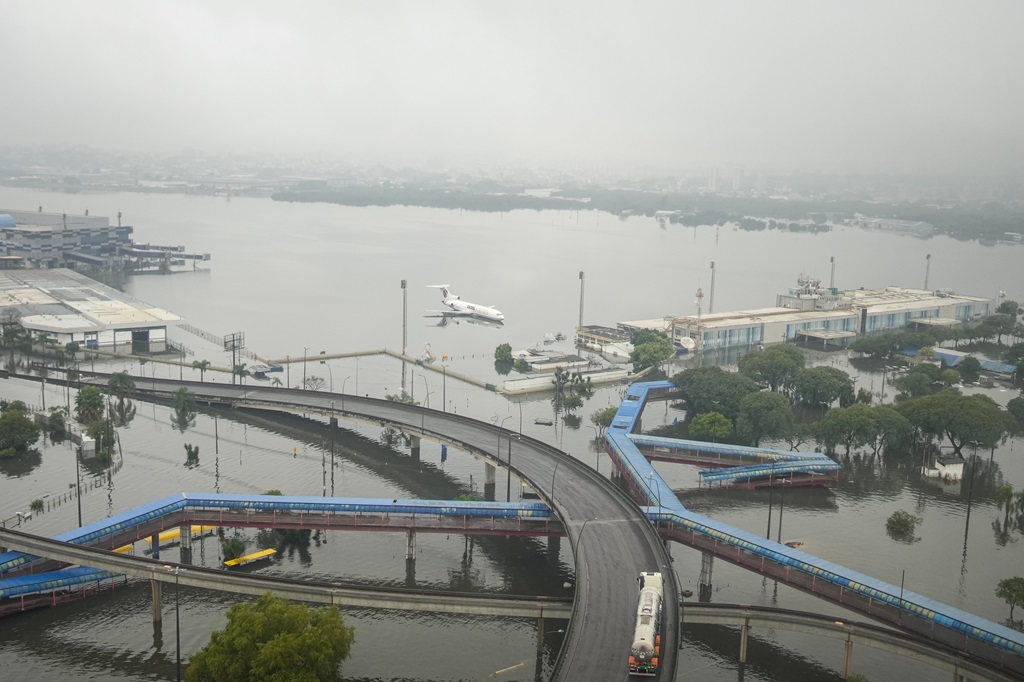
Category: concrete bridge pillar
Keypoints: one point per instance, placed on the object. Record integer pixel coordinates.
(185, 537)
(414, 448)
(707, 563)
(410, 573)
(554, 548)
(157, 611)
(410, 544)
(410, 558)
(489, 481)
(154, 542)
(744, 629)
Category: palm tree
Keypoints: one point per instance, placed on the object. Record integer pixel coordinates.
(44, 341)
(202, 366)
(239, 369)
(121, 385)
(1007, 501)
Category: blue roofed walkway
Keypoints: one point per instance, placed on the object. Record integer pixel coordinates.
(907, 610)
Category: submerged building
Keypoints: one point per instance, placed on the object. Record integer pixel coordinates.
(66, 306)
(59, 240)
(829, 315)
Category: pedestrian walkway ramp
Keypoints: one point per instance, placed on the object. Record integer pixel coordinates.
(930, 618)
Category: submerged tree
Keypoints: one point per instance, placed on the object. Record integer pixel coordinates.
(184, 405)
(273, 639)
(1011, 590)
(901, 525)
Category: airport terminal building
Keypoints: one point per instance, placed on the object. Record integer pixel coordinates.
(829, 316)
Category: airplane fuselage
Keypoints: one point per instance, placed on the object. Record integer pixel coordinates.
(460, 307)
(466, 308)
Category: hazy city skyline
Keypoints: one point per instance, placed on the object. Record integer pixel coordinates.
(870, 86)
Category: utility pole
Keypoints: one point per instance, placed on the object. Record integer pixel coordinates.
(711, 298)
(582, 283)
(832, 279)
(927, 269)
(405, 329)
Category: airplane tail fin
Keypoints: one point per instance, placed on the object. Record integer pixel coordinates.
(445, 293)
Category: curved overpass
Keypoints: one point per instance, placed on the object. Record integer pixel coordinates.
(609, 556)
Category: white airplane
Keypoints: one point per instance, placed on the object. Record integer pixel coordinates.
(456, 307)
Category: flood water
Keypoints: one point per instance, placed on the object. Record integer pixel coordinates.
(327, 278)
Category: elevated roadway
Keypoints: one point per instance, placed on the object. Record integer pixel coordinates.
(298, 590)
(611, 538)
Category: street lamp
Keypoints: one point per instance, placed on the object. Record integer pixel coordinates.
(497, 455)
(782, 501)
(343, 392)
(651, 479)
(771, 483)
(520, 403)
(305, 352)
(557, 462)
(330, 373)
(579, 537)
(426, 389)
(78, 488)
(334, 425)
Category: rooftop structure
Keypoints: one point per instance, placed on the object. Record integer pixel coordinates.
(70, 307)
(831, 315)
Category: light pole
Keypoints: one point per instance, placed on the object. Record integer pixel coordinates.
(330, 373)
(771, 479)
(343, 392)
(78, 488)
(579, 536)
(597, 448)
(497, 455)
(305, 352)
(650, 479)
(557, 462)
(444, 388)
(520, 403)
(782, 502)
(426, 389)
(334, 425)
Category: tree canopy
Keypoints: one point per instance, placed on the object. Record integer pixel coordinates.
(822, 386)
(924, 379)
(962, 419)
(503, 353)
(121, 385)
(17, 430)
(710, 426)
(650, 349)
(273, 640)
(852, 427)
(1011, 590)
(764, 415)
(89, 405)
(712, 389)
(774, 367)
(602, 419)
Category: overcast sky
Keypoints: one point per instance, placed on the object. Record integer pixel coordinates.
(903, 85)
